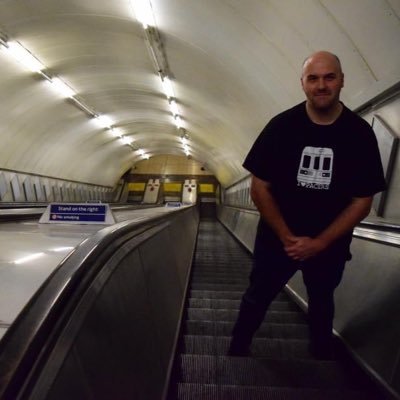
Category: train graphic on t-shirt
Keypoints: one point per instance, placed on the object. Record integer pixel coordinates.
(315, 169)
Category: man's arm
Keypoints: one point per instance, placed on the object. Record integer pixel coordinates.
(306, 247)
(269, 210)
(303, 247)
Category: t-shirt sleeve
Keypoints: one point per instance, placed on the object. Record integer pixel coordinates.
(369, 177)
(260, 159)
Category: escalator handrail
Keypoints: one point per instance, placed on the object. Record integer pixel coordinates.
(376, 231)
(380, 225)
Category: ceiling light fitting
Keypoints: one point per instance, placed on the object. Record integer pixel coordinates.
(18, 52)
(116, 132)
(62, 88)
(126, 140)
(178, 121)
(143, 154)
(143, 12)
(173, 107)
(23, 56)
(167, 87)
(103, 121)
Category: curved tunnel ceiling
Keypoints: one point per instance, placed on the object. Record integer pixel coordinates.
(233, 65)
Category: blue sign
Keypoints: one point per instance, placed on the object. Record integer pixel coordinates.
(78, 212)
(173, 204)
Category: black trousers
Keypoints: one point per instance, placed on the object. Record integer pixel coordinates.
(272, 269)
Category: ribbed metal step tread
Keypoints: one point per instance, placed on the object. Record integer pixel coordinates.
(213, 264)
(238, 266)
(220, 252)
(207, 314)
(228, 295)
(220, 248)
(220, 273)
(272, 330)
(261, 347)
(194, 391)
(235, 304)
(224, 287)
(236, 263)
(247, 371)
(221, 257)
(221, 281)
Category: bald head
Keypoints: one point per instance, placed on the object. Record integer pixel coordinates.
(322, 80)
(325, 56)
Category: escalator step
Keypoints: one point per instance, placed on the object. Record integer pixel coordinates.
(203, 274)
(221, 256)
(271, 330)
(223, 287)
(234, 304)
(247, 371)
(281, 367)
(194, 391)
(228, 280)
(222, 265)
(234, 295)
(261, 348)
(206, 314)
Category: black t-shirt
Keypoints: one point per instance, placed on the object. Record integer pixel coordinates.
(315, 170)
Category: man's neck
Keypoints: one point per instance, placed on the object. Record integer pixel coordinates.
(324, 117)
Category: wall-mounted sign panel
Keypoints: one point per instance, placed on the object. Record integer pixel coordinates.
(77, 213)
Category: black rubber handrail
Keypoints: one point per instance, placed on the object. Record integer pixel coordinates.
(380, 225)
(28, 341)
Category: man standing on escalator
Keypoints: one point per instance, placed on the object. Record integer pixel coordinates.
(315, 169)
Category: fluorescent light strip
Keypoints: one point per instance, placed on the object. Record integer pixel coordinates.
(143, 12)
(62, 88)
(167, 87)
(126, 140)
(143, 154)
(173, 107)
(29, 61)
(178, 121)
(23, 56)
(116, 132)
(103, 121)
(84, 107)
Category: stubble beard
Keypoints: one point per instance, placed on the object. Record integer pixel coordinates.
(325, 105)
